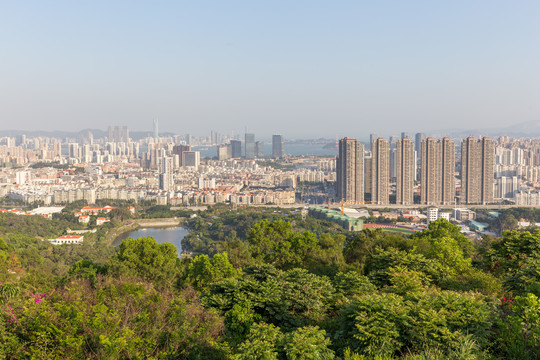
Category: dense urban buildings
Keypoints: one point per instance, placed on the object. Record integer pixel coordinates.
(277, 146)
(350, 171)
(477, 170)
(506, 171)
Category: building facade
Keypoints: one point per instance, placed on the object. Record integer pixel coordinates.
(277, 146)
(249, 146)
(350, 171)
(405, 171)
(380, 166)
(437, 167)
(477, 170)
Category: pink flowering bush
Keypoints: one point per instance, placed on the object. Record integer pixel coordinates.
(38, 297)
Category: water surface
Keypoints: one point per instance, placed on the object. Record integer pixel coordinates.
(173, 235)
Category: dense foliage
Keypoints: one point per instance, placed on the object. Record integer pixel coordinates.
(268, 285)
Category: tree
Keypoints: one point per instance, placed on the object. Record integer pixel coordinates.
(267, 342)
(307, 343)
(120, 214)
(352, 283)
(520, 331)
(441, 229)
(516, 258)
(508, 222)
(262, 343)
(146, 258)
(288, 299)
(276, 243)
(3, 255)
(203, 271)
(374, 325)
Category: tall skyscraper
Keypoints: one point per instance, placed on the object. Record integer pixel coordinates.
(179, 150)
(437, 168)
(259, 149)
(350, 171)
(156, 130)
(477, 170)
(380, 165)
(447, 151)
(249, 146)
(224, 151)
(236, 149)
(418, 138)
(405, 171)
(166, 181)
(277, 146)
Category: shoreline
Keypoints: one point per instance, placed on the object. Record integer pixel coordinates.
(143, 223)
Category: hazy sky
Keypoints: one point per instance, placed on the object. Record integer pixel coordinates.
(300, 68)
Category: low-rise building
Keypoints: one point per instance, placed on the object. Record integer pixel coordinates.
(67, 239)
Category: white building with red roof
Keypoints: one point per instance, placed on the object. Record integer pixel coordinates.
(67, 239)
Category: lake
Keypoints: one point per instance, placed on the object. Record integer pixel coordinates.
(173, 235)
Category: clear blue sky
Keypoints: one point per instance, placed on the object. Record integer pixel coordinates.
(300, 68)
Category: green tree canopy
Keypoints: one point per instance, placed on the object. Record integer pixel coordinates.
(148, 259)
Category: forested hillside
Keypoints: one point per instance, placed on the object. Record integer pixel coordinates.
(269, 286)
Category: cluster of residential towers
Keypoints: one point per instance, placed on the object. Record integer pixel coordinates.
(365, 177)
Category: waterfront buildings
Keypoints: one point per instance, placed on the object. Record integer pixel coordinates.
(277, 146)
(236, 149)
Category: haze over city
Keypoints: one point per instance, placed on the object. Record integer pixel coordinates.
(304, 68)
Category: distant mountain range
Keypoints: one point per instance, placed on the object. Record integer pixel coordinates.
(97, 133)
(524, 129)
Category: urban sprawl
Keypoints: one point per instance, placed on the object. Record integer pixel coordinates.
(406, 173)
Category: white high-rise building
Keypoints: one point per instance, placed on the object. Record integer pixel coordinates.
(166, 180)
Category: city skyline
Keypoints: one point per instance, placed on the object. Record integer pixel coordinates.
(306, 69)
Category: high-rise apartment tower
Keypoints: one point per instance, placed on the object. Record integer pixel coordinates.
(477, 169)
(380, 166)
(350, 171)
(405, 171)
(437, 166)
